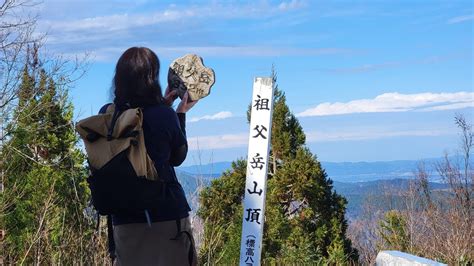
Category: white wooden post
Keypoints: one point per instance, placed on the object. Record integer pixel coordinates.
(257, 169)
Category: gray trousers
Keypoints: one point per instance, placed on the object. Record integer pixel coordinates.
(160, 244)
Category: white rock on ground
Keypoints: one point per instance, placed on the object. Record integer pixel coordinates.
(398, 258)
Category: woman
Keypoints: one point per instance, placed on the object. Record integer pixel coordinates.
(163, 236)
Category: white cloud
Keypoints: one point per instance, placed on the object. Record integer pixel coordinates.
(218, 141)
(293, 4)
(361, 68)
(112, 53)
(395, 102)
(251, 51)
(460, 19)
(217, 116)
(452, 106)
(116, 22)
(353, 135)
(226, 141)
(170, 14)
(392, 64)
(175, 28)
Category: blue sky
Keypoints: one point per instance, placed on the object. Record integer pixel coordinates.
(370, 80)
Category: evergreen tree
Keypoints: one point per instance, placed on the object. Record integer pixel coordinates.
(221, 210)
(393, 232)
(44, 177)
(304, 219)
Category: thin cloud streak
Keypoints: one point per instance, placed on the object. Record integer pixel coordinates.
(217, 116)
(216, 142)
(172, 14)
(460, 19)
(316, 136)
(395, 102)
(226, 141)
(102, 35)
(361, 69)
(107, 54)
(392, 64)
(253, 51)
(290, 5)
(453, 106)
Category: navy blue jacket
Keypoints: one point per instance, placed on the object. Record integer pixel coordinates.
(166, 144)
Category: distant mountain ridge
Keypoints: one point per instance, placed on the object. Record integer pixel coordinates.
(381, 194)
(212, 169)
(356, 193)
(341, 171)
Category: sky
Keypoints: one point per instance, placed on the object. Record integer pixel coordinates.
(368, 80)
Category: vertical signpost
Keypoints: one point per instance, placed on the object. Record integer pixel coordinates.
(257, 169)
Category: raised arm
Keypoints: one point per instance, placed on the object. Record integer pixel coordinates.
(179, 152)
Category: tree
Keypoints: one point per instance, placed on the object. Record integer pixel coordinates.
(19, 43)
(46, 197)
(304, 220)
(221, 211)
(41, 171)
(393, 231)
(428, 222)
(16, 33)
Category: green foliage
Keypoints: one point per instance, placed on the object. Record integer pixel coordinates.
(393, 231)
(222, 213)
(287, 133)
(44, 177)
(336, 250)
(304, 218)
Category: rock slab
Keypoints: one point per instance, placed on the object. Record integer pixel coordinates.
(396, 258)
(188, 73)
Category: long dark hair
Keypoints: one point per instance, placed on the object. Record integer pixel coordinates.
(136, 80)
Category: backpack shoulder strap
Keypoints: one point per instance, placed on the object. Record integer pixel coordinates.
(106, 108)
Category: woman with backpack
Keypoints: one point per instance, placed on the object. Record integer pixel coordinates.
(162, 235)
